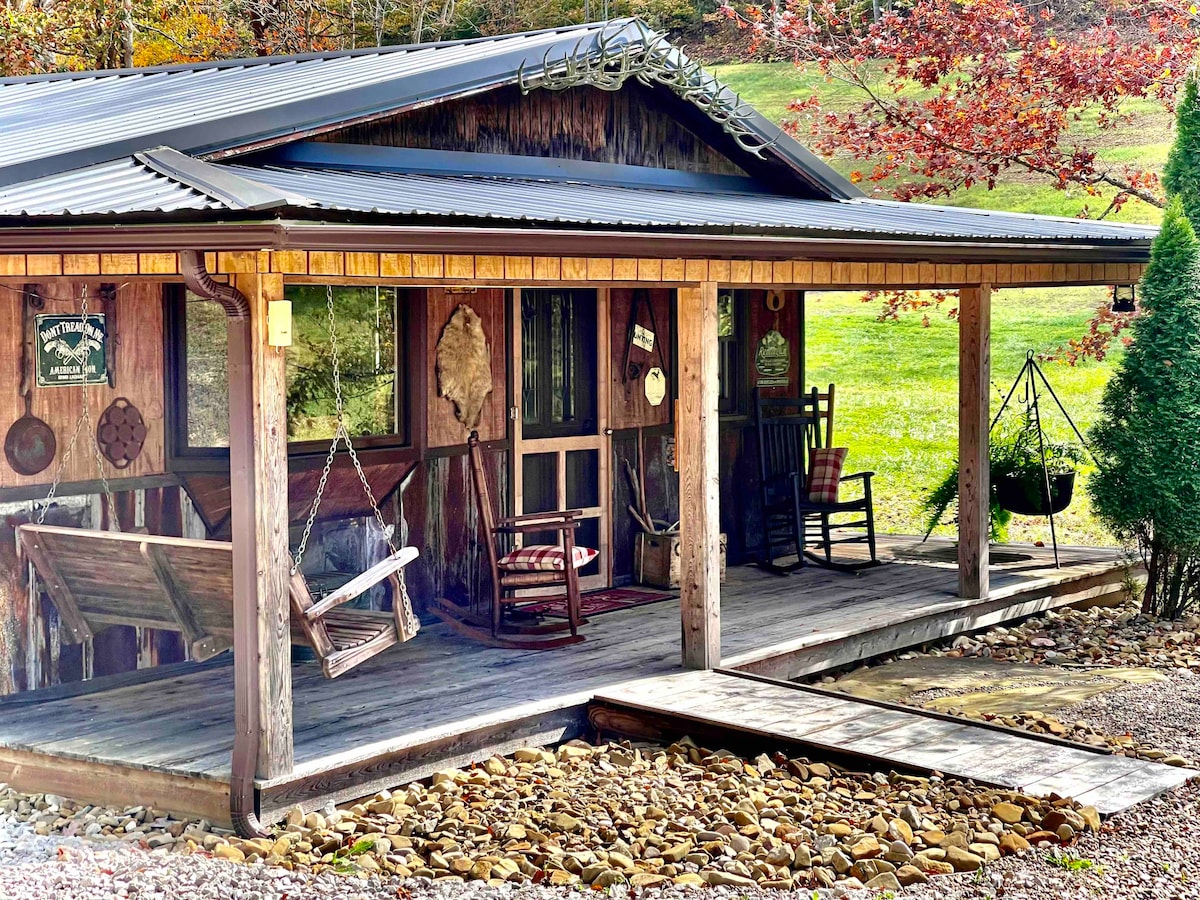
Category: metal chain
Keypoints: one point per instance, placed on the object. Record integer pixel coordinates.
(340, 434)
(85, 418)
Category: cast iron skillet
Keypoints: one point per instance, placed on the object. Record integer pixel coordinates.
(30, 444)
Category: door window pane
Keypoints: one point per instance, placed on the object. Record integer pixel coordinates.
(558, 363)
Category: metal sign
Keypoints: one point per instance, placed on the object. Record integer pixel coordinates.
(70, 349)
(773, 360)
(644, 338)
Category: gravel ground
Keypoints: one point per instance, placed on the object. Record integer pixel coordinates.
(1152, 851)
(1164, 713)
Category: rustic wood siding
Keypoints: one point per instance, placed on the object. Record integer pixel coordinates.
(138, 336)
(444, 429)
(628, 406)
(631, 126)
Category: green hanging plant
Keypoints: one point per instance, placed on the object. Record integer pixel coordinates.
(1013, 452)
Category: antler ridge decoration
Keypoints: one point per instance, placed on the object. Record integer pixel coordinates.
(612, 61)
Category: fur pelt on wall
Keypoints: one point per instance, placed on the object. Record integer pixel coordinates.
(464, 365)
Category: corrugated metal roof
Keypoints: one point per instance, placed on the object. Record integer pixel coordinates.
(547, 202)
(122, 186)
(70, 120)
(56, 123)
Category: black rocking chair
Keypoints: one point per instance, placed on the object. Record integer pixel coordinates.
(789, 429)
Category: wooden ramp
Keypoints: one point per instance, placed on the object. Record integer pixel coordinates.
(888, 735)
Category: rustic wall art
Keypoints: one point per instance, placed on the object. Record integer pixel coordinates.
(464, 365)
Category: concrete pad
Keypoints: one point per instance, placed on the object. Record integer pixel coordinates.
(986, 685)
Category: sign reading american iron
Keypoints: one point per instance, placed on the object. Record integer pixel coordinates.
(70, 350)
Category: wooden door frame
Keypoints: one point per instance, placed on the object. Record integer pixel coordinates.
(601, 441)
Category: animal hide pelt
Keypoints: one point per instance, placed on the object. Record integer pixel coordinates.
(464, 366)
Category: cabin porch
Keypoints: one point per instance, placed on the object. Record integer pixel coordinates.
(164, 737)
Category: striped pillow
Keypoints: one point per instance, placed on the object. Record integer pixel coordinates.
(825, 473)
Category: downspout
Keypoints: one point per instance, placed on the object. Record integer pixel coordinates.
(200, 283)
(243, 807)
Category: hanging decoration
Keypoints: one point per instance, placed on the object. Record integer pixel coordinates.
(29, 445)
(656, 386)
(71, 350)
(464, 366)
(644, 340)
(121, 433)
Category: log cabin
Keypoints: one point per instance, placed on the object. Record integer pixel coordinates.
(617, 233)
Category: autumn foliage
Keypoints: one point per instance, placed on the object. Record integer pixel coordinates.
(957, 94)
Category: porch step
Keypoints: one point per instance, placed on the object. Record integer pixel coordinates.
(882, 734)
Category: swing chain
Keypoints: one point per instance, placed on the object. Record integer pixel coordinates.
(85, 418)
(340, 434)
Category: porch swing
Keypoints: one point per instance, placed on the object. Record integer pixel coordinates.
(98, 578)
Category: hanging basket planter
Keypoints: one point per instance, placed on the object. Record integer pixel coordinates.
(1025, 495)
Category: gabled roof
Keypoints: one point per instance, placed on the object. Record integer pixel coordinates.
(55, 123)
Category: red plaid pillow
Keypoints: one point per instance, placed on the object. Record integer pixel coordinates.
(545, 558)
(826, 472)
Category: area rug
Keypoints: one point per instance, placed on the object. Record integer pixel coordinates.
(598, 602)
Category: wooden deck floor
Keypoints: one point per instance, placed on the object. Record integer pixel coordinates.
(441, 700)
(910, 738)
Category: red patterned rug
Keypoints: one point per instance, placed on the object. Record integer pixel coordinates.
(598, 602)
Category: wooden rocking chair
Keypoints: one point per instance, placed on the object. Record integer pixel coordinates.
(102, 578)
(531, 566)
(789, 429)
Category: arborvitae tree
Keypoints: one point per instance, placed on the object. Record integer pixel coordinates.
(1181, 175)
(1147, 442)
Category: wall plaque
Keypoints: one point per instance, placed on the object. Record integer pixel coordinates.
(773, 360)
(656, 386)
(70, 349)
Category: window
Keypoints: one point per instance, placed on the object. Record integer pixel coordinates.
(732, 326)
(369, 352)
(558, 363)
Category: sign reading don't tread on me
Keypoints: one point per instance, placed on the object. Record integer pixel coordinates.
(70, 350)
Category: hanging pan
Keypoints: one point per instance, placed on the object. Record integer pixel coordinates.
(30, 445)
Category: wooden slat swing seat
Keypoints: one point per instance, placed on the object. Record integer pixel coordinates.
(502, 622)
(789, 430)
(102, 578)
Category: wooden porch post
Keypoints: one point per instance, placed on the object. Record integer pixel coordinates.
(974, 416)
(258, 485)
(699, 477)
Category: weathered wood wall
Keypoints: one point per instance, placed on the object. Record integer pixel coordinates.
(138, 336)
(32, 653)
(629, 126)
(628, 406)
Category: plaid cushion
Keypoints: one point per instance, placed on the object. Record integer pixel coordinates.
(545, 558)
(826, 472)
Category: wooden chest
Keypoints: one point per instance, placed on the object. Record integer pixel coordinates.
(656, 560)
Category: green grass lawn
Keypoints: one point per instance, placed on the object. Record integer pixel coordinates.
(897, 394)
(897, 381)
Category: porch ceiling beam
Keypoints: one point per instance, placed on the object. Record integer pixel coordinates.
(974, 414)
(429, 238)
(699, 476)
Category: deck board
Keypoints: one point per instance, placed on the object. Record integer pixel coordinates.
(438, 689)
(958, 749)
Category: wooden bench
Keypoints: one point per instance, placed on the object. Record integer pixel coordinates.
(98, 578)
